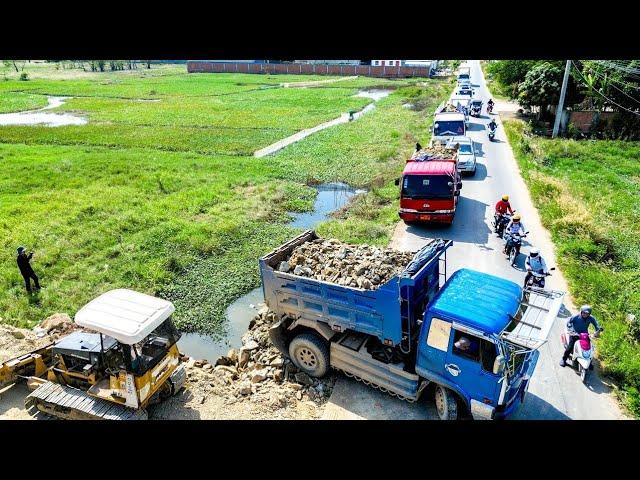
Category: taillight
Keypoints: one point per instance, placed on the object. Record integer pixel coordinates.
(487, 401)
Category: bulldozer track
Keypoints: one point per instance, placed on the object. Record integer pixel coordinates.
(377, 387)
(62, 401)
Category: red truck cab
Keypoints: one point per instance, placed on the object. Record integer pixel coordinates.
(429, 191)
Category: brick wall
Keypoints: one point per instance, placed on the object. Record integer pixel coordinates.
(583, 120)
(307, 69)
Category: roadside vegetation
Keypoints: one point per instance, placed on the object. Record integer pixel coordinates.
(165, 197)
(588, 196)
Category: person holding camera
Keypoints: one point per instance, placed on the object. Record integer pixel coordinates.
(26, 270)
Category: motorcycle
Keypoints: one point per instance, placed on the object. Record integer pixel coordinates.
(513, 244)
(492, 134)
(475, 111)
(500, 221)
(489, 108)
(583, 351)
(537, 279)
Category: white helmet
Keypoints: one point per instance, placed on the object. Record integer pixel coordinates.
(534, 252)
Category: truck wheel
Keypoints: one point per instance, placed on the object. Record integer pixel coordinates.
(446, 404)
(310, 354)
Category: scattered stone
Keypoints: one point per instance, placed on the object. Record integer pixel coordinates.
(277, 376)
(250, 345)
(232, 355)
(284, 267)
(244, 358)
(57, 321)
(207, 367)
(299, 395)
(303, 378)
(259, 376)
(17, 334)
(295, 386)
(244, 388)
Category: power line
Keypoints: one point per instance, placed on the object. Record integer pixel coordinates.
(599, 75)
(603, 95)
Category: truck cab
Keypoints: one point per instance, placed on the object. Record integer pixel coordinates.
(448, 124)
(482, 348)
(429, 191)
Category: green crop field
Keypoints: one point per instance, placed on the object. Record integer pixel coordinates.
(165, 196)
(588, 195)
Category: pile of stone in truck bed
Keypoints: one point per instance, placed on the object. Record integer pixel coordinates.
(257, 372)
(435, 152)
(361, 266)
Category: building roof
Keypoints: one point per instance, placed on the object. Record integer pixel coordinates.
(125, 315)
(478, 300)
(434, 167)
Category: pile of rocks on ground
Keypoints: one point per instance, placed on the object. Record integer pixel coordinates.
(361, 266)
(256, 372)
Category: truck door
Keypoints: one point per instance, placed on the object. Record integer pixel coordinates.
(469, 364)
(433, 345)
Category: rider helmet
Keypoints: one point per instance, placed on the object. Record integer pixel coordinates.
(516, 217)
(534, 252)
(585, 308)
(20, 250)
(505, 198)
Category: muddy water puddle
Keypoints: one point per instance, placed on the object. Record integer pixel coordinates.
(40, 117)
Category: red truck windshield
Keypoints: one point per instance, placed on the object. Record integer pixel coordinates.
(427, 186)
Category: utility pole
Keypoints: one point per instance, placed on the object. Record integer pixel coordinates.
(565, 81)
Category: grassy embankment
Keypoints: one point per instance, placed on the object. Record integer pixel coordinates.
(163, 196)
(588, 196)
(498, 91)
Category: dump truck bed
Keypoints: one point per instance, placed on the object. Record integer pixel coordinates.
(375, 312)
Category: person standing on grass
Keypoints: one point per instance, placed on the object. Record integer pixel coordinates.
(26, 270)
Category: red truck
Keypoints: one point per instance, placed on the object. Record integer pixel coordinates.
(430, 186)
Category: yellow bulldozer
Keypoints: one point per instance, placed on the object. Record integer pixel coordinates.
(125, 360)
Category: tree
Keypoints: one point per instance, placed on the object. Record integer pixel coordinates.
(511, 73)
(541, 87)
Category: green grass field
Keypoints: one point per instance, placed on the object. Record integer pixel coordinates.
(588, 195)
(165, 197)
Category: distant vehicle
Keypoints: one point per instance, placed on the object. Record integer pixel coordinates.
(475, 107)
(446, 125)
(466, 154)
(464, 103)
(430, 190)
(464, 76)
(465, 90)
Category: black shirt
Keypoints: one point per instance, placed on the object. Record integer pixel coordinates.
(23, 263)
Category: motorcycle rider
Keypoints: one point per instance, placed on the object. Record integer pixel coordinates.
(493, 125)
(502, 207)
(576, 325)
(490, 104)
(515, 227)
(536, 263)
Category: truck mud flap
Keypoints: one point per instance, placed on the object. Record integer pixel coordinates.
(388, 377)
(278, 337)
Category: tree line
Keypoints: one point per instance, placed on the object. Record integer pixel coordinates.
(601, 85)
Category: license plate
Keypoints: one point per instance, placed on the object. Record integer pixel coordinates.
(425, 217)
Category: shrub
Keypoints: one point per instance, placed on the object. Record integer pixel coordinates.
(24, 76)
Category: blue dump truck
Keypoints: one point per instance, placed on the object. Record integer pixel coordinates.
(475, 336)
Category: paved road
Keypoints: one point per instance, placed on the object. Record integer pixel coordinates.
(554, 392)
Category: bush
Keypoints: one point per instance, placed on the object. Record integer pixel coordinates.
(24, 76)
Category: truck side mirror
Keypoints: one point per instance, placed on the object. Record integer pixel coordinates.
(498, 365)
(396, 182)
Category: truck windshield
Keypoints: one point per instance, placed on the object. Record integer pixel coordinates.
(463, 76)
(448, 128)
(427, 186)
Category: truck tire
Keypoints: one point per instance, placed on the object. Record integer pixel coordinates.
(310, 354)
(446, 403)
